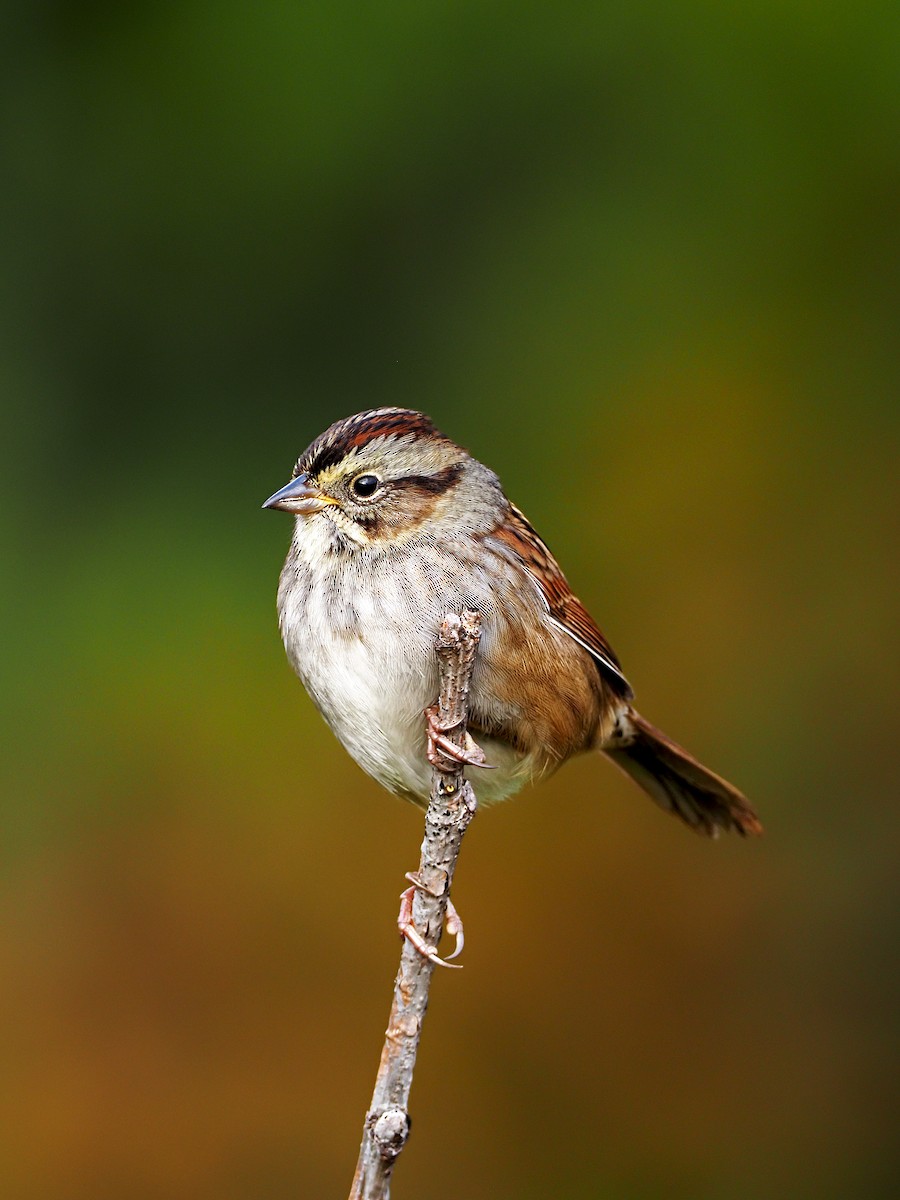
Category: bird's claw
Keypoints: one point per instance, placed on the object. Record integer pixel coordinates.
(440, 748)
(453, 925)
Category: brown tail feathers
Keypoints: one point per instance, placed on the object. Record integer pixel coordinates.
(676, 781)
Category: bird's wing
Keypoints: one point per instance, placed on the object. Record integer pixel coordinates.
(520, 539)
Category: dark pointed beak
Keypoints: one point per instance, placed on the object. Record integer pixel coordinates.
(299, 497)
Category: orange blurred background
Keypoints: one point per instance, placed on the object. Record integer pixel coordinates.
(643, 261)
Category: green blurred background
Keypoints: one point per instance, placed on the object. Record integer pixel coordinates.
(643, 260)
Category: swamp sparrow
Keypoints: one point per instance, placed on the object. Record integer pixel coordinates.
(395, 527)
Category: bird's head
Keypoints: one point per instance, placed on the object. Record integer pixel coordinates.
(387, 475)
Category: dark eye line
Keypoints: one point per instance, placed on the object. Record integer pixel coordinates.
(366, 485)
(433, 485)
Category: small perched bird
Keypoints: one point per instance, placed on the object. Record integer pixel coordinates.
(395, 527)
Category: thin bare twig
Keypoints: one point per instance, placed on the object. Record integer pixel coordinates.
(450, 809)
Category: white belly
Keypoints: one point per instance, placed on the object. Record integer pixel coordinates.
(362, 641)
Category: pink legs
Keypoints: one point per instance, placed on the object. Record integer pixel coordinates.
(444, 755)
(453, 925)
(440, 748)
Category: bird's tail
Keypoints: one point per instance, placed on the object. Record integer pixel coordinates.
(677, 781)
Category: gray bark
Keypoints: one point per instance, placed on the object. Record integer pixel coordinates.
(450, 810)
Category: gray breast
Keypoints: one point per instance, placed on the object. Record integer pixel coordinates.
(360, 629)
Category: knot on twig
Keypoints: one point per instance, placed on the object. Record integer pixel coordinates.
(390, 1132)
(457, 629)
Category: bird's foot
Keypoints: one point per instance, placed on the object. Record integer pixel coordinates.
(452, 923)
(445, 755)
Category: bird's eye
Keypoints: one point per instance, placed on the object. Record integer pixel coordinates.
(366, 485)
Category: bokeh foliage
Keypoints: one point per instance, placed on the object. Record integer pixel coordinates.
(643, 260)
